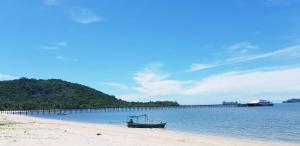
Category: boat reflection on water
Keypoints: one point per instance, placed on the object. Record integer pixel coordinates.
(134, 122)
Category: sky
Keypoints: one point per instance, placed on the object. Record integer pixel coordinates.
(190, 51)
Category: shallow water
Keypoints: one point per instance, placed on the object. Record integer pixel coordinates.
(280, 122)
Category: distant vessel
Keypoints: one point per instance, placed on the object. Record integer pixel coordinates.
(230, 103)
(260, 103)
(132, 124)
(294, 100)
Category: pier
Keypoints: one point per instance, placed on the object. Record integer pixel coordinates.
(108, 109)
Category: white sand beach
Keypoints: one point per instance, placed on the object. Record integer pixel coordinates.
(19, 130)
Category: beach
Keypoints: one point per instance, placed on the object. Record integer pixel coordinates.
(20, 130)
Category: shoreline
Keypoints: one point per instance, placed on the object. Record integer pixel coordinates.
(180, 131)
(24, 130)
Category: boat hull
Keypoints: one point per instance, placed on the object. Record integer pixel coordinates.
(255, 104)
(140, 125)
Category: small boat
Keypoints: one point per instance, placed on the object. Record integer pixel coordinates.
(260, 103)
(132, 124)
(140, 125)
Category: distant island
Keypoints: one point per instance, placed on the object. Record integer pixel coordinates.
(294, 100)
(33, 94)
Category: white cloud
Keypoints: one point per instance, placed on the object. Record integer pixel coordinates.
(267, 83)
(63, 44)
(62, 57)
(257, 32)
(4, 77)
(55, 46)
(293, 51)
(197, 67)
(83, 15)
(52, 2)
(117, 85)
(49, 48)
(249, 83)
(244, 46)
(151, 83)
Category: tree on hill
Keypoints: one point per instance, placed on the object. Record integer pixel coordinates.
(30, 94)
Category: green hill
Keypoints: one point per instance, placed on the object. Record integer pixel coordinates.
(29, 94)
(293, 100)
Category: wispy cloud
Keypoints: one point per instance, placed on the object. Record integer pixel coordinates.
(62, 57)
(116, 85)
(257, 32)
(240, 83)
(241, 46)
(63, 44)
(152, 82)
(52, 2)
(83, 15)
(49, 48)
(198, 66)
(293, 38)
(280, 2)
(293, 51)
(5, 77)
(235, 51)
(272, 82)
(55, 46)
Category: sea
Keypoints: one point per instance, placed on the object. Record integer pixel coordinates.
(280, 122)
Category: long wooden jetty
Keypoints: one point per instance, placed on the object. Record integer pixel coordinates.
(109, 109)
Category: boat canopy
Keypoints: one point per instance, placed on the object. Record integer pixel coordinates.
(136, 118)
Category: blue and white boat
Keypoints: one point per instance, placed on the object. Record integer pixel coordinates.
(260, 103)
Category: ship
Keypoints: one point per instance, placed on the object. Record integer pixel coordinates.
(260, 103)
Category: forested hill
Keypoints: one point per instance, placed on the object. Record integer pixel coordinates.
(30, 94)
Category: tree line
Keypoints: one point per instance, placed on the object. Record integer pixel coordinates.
(33, 94)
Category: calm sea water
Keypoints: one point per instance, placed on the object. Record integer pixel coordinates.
(280, 122)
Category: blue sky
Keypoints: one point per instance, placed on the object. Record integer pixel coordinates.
(191, 51)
